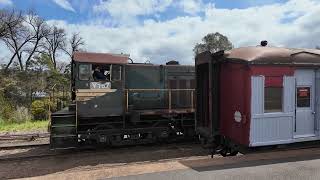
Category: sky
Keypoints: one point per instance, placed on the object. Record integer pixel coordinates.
(163, 30)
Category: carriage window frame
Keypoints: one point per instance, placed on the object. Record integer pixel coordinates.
(278, 98)
(88, 74)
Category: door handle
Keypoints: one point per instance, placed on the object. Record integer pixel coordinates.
(313, 112)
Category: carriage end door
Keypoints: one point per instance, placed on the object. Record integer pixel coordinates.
(305, 111)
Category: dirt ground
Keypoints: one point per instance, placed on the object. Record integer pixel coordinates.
(110, 162)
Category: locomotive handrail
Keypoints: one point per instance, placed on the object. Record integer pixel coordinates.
(169, 96)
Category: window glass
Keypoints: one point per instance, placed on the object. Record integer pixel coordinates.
(84, 71)
(116, 72)
(272, 99)
(101, 72)
(303, 97)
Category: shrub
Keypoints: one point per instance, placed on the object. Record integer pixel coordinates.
(20, 115)
(6, 108)
(40, 108)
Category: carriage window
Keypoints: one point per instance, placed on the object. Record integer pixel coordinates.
(84, 71)
(116, 73)
(303, 97)
(272, 99)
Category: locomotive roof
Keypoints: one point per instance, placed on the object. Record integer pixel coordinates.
(275, 55)
(105, 58)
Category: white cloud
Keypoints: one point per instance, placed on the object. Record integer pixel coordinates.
(125, 11)
(175, 38)
(65, 4)
(6, 2)
(191, 6)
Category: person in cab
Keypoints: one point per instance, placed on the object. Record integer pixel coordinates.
(98, 75)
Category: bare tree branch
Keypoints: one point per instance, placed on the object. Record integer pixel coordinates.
(40, 30)
(55, 41)
(75, 42)
(23, 36)
(14, 37)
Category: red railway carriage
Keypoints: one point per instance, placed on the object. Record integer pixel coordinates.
(257, 96)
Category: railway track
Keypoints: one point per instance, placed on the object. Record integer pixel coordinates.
(20, 141)
(29, 136)
(45, 152)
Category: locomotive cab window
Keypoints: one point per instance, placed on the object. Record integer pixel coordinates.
(303, 97)
(84, 71)
(106, 72)
(116, 72)
(273, 99)
(101, 72)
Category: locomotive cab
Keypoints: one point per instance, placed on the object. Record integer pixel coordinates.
(98, 96)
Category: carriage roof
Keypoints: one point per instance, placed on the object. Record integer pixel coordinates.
(275, 55)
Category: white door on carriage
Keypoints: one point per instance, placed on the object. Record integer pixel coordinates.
(304, 125)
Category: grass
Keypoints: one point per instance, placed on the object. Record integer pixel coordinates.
(23, 127)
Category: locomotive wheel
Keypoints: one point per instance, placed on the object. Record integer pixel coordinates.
(234, 153)
(223, 152)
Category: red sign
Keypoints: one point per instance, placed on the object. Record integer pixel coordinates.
(303, 92)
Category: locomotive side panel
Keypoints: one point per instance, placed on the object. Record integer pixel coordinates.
(181, 77)
(143, 83)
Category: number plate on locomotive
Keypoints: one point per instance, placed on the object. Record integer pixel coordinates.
(100, 85)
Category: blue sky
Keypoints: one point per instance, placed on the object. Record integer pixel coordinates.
(162, 30)
(82, 10)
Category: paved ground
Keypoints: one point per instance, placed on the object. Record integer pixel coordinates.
(285, 164)
(304, 170)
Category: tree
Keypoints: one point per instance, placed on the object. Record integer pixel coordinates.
(318, 47)
(75, 43)
(23, 36)
(55, 42)
(40, 30)
(213, 42)
(3, 27)
(13, 33)
(8, 19)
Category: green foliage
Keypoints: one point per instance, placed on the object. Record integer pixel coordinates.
(41, 63)
(17, 89)
(6, 108)
(10, 114)
(21, 115)
(26, 126)
(213, 42)
(40, 108)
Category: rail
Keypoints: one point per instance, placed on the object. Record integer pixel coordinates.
(169, 98)
(31, 136)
